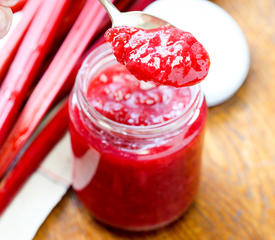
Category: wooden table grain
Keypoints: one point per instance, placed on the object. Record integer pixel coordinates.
(236, 199)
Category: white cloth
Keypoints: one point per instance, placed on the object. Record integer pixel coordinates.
(39, 196)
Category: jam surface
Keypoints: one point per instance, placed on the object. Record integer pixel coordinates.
(166, 55)
(119, 96)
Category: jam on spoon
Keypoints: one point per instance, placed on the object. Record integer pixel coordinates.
(165, 55)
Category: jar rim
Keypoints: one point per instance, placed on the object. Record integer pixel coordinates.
(88, 70)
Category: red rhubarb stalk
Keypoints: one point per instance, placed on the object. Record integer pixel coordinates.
(52, 81)
(68, 20)
(9, 49)
(70, 17)
(18, 6)
(140, 5)
(28, 60)
(33, 156)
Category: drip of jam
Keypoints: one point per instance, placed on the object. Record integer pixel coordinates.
(166, 55)
(119, 96)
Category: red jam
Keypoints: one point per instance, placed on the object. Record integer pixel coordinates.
(165, 55)
(129, 179)
(119, 96)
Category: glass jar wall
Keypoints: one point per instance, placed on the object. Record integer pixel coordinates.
(129, 176)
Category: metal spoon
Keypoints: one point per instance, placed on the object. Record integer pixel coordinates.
(132, 19)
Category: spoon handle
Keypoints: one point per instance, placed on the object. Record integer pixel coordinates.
(111, 9)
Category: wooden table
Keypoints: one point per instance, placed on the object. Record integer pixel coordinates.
(236, 199)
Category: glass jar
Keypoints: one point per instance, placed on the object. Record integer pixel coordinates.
(133, 177)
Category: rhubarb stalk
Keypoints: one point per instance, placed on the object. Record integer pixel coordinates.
(140, 5)
(18, 6)
(70, 17)
(9, 49)
(52, 81)
(33, 156)
(28, 60)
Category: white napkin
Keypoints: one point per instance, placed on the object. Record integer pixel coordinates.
(39, 196)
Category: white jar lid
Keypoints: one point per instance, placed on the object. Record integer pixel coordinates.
(220, 35)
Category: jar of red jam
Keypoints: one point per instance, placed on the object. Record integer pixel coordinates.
(137, 147)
